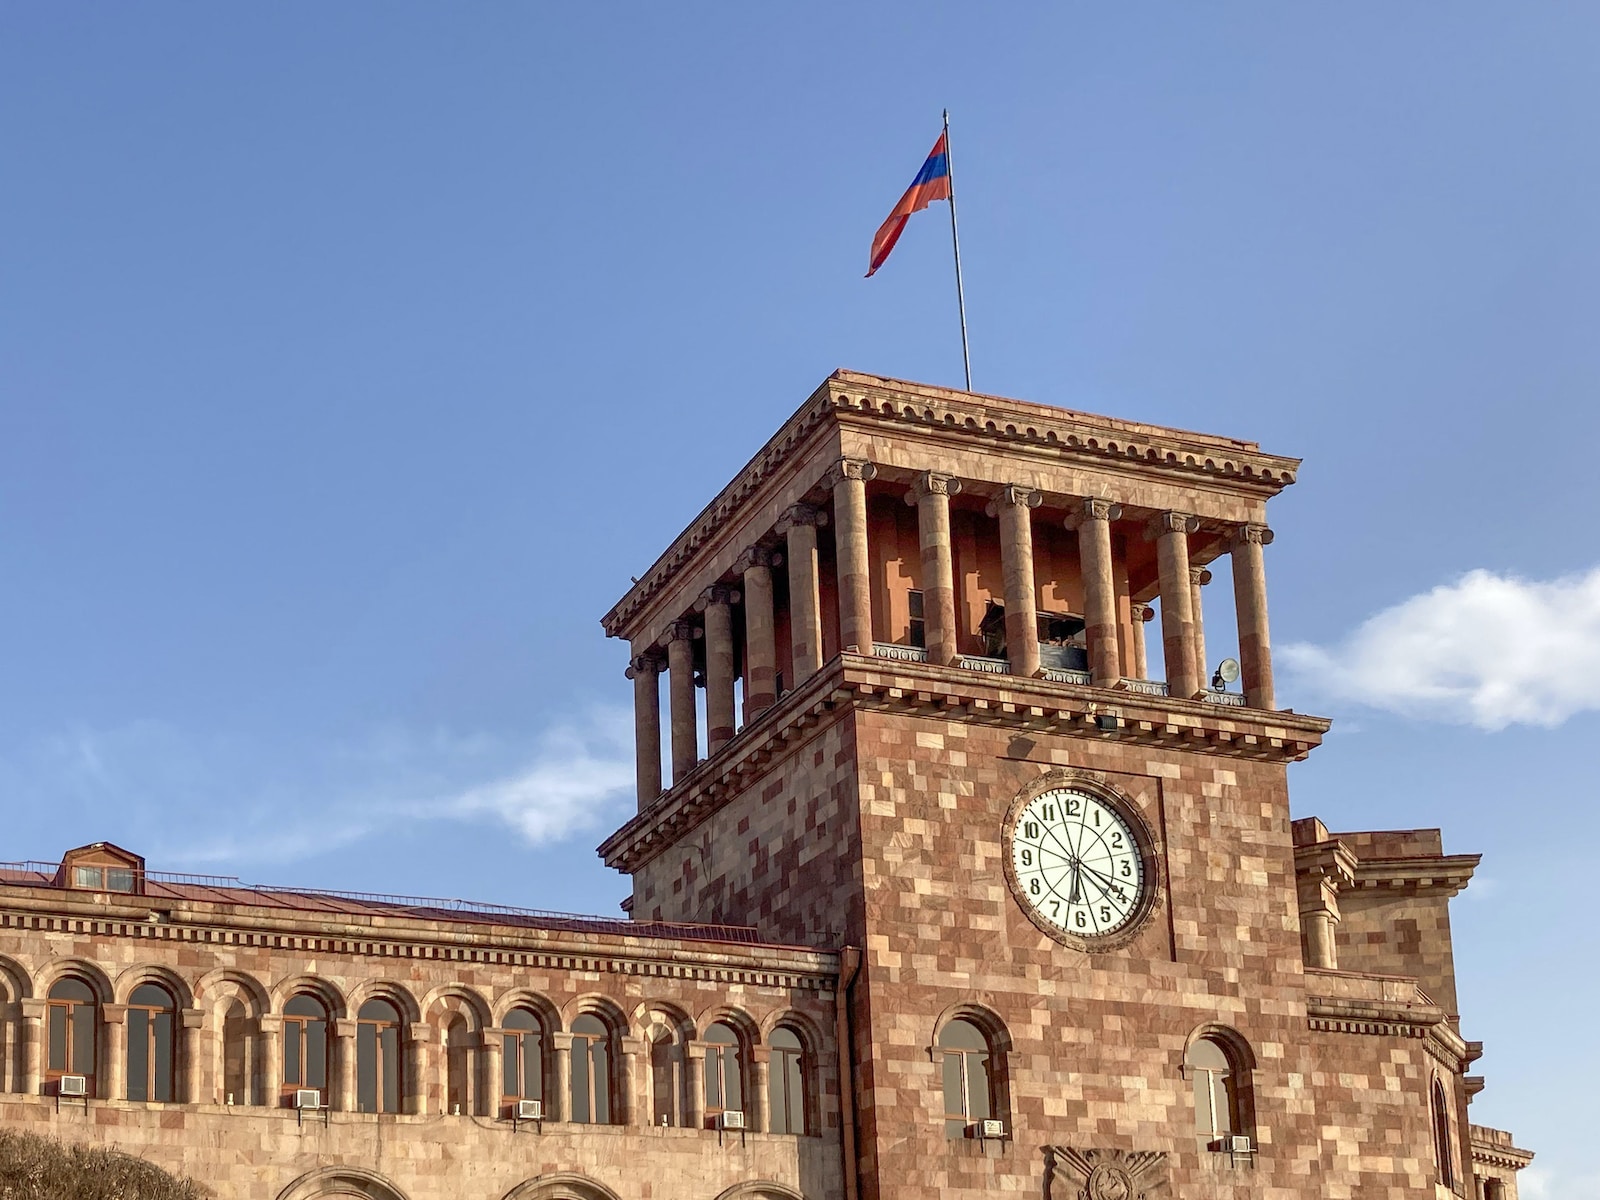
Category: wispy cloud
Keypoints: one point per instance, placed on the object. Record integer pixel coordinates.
(202, 804)
(1487, 650)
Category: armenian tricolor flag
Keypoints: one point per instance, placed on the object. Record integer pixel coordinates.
(932, 183)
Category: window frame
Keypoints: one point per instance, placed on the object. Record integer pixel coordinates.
(605, 1042)
(778, 1079)
(1443, 1146)
(729, 1059)
(301, 1021)
(148, 1046)
(513, 1058)
(968, 1062)
(382, 1040)
(73, 1012)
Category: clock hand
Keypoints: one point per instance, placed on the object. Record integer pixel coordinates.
(1077, 884)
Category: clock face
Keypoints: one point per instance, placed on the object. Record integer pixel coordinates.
(1076, 863)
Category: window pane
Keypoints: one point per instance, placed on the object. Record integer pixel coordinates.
(713, 1071)
(305, 1006)
(86, 877)
(138, 1055)
(1221, 1122)
(580, 1081)
(963, 1035)
(366, 1068)
(954, 1110)
(1203, 1113)
(795, 1102)
(978, 1087)
(83, 1019)
(389, 1043)
(664, 1111)
(291, 1053)
(150, 995)
(589, 1026)
(785, 1039)
(163, 1053)
(602, 1084)
(1207, 1055)
(533, 1066)
(510, 1066)
(379, 1010)
(58, 1038)
(72, 989)
(316, 1043)
(520, 1018)
(732, 1083)
(119, 879)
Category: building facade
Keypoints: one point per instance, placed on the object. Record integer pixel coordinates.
(972, 876)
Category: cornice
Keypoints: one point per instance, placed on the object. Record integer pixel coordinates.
(876, 402)
(851, 681)
(23, 911)
(1444, 875)
(1493, 1148)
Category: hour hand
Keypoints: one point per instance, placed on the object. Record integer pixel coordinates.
(1077, 889)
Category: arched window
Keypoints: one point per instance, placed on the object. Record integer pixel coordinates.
(786, 1082)
(458, 1040)
(724, 1073)
(591, 1071)
(522, 1066)
(1441, 1137)
(378, 1057)
(968, 1077)
(305, 1045)
(236, 1040)
(666, 1070)
(73, 1014)
(1216, 1089)
(151, 1050)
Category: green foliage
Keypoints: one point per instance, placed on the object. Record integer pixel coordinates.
(36, 1168)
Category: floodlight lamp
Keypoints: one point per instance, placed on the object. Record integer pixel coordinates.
(1227, 672)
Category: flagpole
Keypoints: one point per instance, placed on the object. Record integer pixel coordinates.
(955, 241)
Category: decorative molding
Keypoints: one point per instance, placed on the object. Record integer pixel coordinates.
(757, 556)
(801, 514)
(1073, 1174)
(680, 631)
(1170, 522)
(849, 468)
(1199, 576)
(651, 662)
(932, 483)
(1258, 535)
(1014, 495)
(717, 593)
(1093, 508)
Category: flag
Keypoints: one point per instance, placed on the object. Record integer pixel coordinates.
(932, 183)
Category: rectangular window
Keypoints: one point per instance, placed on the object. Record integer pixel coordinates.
(602, 1084)
(389, 1068)
(138, 1055)
(510, 1068)
(785, 1096)
(291, 1053)
(161, 1046)
(580, 1081)
(119, 879)
(86, 877)
(58, 1038)
(532, 1066)
(316, 1057)
(82, 1061)
(661, 1083)
(366, 1068)
(918, 633)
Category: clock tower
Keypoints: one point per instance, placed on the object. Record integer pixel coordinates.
(961, 722)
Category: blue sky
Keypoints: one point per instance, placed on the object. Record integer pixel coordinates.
(352, 358)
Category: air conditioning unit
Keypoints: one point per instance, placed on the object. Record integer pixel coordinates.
(991, 1129)
(731, 1120)
(307, 1098)
(530, 1110)
(73, 1085)
(1239, 1144)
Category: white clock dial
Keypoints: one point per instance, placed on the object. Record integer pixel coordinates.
(1076, 863)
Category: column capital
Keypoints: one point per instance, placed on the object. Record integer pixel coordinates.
(757, 556)
(1141, 612)
(344, 1027)
(679, 631)
(1170, 522)
(802, 514)
(1199, 576)
(1255, 535)
(1014, 495)
(648, 663)
(717, 593)
(1094, 508)
(114, 1014)
(932, 483)
(850, 468)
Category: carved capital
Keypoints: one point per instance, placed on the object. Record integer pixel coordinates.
(1014, 495)
(1256, 535)
(648, 663)
(850, 468)
(1170, 522)
(757, 556)
(717, 593)
(680, 631)
(1141, 612)
(931, 483)
(801, 514)
(1199, 576)
(1094, 508)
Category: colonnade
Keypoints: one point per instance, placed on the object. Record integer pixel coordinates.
(795, 550)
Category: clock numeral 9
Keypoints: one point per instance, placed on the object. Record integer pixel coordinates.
(1027, 858)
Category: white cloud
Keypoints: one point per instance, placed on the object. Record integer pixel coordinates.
(1487, 650)
(1542, 1183)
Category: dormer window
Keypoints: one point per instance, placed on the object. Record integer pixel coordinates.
(104, 879)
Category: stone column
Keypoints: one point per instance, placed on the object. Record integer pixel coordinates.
(755, 1102)
(849, 482)
(799, 526)
(1171, 534)
(417, 1068)
(33, 1014)
(269, 1043)
(1139, 614)
(760, 637)
(1250, 599)
(931, 495)
(344, 1065)
(193, 1047)
(1198, 578)
(1321, 870)
(633, 1092)
(694, 1066)
(493, 1086)
(1093, 523)
(113, 1081)
(556, 1108)
(680, 694)
(644, 668)
(718, 602)
(1013, 506)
